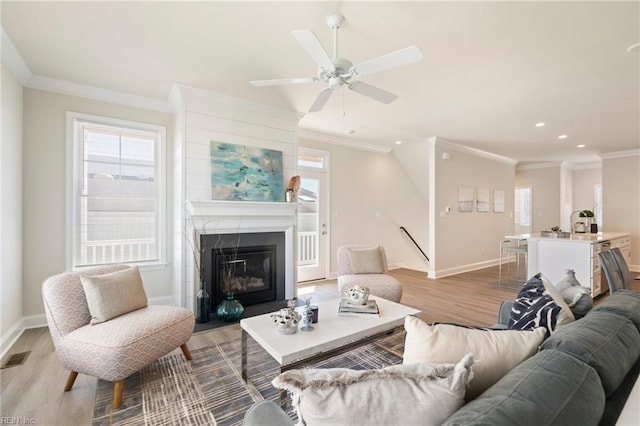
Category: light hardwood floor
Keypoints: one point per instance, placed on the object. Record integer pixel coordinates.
(35, 390)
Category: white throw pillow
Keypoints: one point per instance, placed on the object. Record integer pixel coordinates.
(114, 294)
(417, 394)
(496, 352)
(577, 296)
(566, 316)
(366, 261)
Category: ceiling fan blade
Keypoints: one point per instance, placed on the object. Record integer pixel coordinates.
(373, 92)
(309, 42)
(281, 81)
(321, 100)
(390, 60)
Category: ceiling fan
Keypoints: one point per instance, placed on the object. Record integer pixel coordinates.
(338, 72)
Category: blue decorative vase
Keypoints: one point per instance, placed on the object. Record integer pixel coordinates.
(230, 309)
(203, 305)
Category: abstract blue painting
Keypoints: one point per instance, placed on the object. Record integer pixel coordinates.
(245, 173)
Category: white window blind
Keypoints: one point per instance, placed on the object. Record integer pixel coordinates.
(117, 192)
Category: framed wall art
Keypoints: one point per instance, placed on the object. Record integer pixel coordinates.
(245, 173)
(482, 203)
(465, 198)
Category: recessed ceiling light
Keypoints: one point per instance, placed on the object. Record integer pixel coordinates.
(540, 124)
(398, 142)
(562, 137)
(581, 145)
(350, 131)
(634, 47)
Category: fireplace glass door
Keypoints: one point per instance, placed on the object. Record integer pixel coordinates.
(248, 272)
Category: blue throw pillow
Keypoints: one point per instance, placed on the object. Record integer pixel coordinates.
(534, 307)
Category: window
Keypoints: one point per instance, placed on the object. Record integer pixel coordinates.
(312, 159)
(116, 194)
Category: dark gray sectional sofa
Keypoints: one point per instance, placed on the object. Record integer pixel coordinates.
(582, 375)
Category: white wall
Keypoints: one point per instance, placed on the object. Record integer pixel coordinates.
(621, 199)
(371, 197)
(44, 188)
(11, 295)
(584, 181)
(465, 241)
(414, 158)
(545, 182)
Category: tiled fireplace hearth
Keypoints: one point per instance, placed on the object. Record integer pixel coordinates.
(254, 222)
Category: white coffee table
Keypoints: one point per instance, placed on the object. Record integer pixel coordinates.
(331, 335)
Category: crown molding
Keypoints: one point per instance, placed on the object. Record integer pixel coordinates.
(336, 140)
(96, 93)
(545, 165)
(620, 154)
(474, 151)
(587, 165)
(13, 60)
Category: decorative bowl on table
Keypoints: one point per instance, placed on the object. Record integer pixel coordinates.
(357, 295)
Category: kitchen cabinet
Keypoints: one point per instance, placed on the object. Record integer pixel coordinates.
(553, 256)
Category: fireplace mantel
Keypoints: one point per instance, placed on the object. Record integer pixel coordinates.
(228, 217)
(216, 216)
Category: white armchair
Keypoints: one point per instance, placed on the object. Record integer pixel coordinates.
(367, 267)
(117, 347)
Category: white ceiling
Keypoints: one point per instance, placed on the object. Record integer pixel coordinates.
(491, 70)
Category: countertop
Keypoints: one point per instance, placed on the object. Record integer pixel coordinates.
(575, 237)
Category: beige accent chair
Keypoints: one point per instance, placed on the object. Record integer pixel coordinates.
(367, 267)
(114, 349)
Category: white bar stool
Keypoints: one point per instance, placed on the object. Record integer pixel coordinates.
(517, 248)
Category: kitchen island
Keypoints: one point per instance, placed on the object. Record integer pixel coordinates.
(554, 255)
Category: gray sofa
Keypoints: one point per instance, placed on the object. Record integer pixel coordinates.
(582, 375)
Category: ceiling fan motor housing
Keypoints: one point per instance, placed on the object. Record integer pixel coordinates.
(341, 74)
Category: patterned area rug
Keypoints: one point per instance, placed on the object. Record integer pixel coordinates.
(210, 391)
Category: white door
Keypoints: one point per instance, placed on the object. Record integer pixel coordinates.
(313, 229)
(523, 202)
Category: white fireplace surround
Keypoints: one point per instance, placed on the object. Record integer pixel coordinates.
(231, 217)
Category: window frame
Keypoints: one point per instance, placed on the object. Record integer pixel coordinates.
(74, 177)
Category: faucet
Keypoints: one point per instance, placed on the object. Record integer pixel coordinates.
(571, 223)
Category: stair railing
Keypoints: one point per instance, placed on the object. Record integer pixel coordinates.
(403, 229)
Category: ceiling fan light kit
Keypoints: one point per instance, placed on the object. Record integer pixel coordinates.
(337, 72)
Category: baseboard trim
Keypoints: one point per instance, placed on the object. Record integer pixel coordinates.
(10, 337)
(441, 273)
(25, 323)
